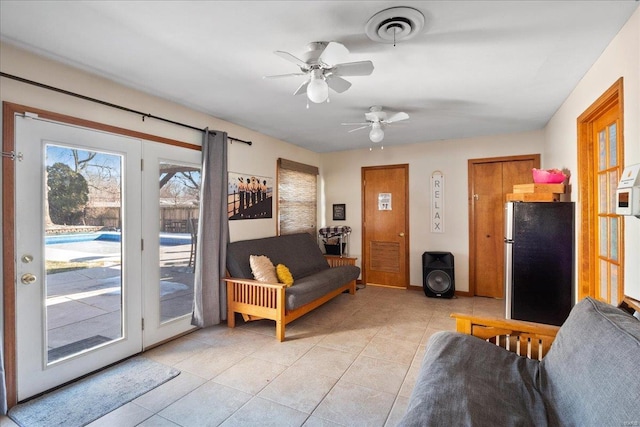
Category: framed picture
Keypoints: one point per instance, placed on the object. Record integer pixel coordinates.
(249, 196)
(339, 212)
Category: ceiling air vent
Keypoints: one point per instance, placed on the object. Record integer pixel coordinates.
(394, 25)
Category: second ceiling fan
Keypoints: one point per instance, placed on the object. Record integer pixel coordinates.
(377, 120)
(320, 64)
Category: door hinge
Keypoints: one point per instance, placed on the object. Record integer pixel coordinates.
(141, 164)
(142, 244)
(143, 323)
(12, 155)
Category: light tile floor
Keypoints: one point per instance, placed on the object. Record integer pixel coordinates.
(351, 362)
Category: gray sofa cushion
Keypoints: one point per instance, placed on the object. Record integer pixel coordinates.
(316, 285)
(299, 252)
(591, 375)
(465, 381)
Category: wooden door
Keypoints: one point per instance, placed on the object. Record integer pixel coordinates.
(385, 236)
(490, 181)
(600, 163)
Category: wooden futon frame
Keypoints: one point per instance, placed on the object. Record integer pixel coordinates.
(527, 339)
(258, 300)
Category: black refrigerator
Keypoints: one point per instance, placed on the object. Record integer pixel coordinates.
(539, 261)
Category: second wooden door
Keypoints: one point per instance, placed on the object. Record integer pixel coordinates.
(385, 225)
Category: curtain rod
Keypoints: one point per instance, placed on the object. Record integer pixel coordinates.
(108, 104)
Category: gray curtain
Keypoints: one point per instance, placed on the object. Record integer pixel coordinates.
(210, 296)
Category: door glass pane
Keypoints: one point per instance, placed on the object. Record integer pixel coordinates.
(603, 237)
(614, 285)
(604, 274)
(613, 236)
(83, 250)
(602, 193)
(613, 185)
(179, 206)
(602, 150)
(613, 146)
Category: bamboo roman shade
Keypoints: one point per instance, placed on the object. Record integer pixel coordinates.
(297, 197)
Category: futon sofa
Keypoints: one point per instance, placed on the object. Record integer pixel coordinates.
(590, 375)
(317, 278)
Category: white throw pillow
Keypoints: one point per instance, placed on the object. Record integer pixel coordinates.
(263, 269)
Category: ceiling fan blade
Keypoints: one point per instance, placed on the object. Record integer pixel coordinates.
(363, 127)
(355, 124)
(289, 57)
(397, 117)
(302, 88)
(277, 76)
(337, 83)
(360, 68)
(333, 53)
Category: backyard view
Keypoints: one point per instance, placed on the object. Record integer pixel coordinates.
(84, 251)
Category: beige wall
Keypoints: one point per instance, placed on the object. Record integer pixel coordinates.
(341, 181)
(620, 59)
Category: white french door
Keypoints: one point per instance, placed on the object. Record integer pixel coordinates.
(78, 288)
(171, 181)
(98, 254)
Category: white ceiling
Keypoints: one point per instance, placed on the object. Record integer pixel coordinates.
(477, 68)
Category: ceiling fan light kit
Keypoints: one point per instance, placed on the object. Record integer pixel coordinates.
(317, 89)
(376, 134)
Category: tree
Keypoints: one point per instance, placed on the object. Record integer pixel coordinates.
(68, 194)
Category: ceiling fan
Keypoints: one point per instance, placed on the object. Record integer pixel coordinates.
(320, 64)
(377, 119)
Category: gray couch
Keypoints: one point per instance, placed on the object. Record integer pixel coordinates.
(589, 377)
(317, 279)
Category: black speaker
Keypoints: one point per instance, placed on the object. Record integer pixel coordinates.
(437, 274)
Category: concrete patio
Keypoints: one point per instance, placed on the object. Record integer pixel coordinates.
(84, 305)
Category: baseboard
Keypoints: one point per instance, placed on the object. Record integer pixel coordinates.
(463, 294)
(421, 289)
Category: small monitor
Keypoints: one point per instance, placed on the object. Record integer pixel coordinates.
(628, 201)
(623, 198)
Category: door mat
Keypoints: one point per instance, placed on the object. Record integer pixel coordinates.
(84, 401)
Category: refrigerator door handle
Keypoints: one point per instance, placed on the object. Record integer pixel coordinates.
(508, 221)
(508, 278)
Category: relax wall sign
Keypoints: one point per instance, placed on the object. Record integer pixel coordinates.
(437, 202)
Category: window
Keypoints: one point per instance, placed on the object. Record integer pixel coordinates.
(297, 197)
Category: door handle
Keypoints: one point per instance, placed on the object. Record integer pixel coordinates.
(28, 278)
(401, 234)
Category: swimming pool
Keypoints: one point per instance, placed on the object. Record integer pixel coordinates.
(166, 239)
